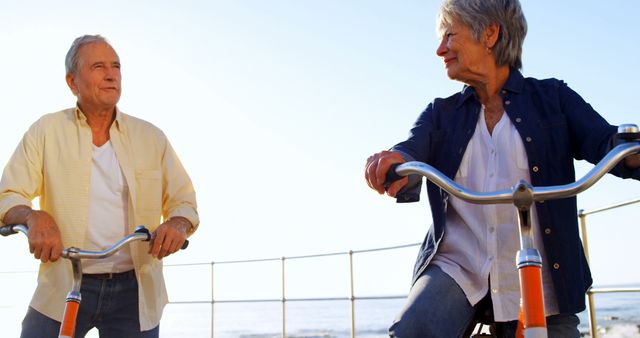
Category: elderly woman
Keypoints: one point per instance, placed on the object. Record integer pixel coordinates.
(499, 129)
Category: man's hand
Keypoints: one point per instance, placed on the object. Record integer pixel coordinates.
(45, 242)
(376, 170)
(169, 237)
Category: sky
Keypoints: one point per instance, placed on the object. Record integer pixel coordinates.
(274, 106)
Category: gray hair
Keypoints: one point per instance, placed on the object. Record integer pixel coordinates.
(71, 60)
(479, 14)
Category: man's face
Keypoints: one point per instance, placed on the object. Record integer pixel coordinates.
(96, 81)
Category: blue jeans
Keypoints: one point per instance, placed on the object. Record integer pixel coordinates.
(110, 305)
(437, 307)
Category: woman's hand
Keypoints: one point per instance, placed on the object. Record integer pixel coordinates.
(376, 171)
(632, 161)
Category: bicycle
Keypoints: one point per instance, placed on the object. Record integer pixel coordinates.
(532, 320)
(75, 255)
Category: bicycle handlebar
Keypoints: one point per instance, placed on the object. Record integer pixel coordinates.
(140, 234)
(507, 196)
(8, 230)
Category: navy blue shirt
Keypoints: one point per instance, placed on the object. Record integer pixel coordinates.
(556, 126)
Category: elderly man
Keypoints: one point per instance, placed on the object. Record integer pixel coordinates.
(98, 173)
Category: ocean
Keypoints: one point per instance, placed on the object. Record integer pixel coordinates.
(617, 314)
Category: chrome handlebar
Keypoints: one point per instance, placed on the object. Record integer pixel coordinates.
(75, 255)
(616, 155)
(8, 230)
(140, 234)
(522, 195)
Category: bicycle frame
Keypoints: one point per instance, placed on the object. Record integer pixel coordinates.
(529, 262)
(75, 255)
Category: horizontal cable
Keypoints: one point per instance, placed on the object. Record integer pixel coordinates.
(613, 290)
(18, 272)
(608, 207)
(342, 253)
(279, 300)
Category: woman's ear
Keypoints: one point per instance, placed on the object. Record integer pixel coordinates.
(491, 34)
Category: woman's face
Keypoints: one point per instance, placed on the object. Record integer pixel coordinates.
(465, 58)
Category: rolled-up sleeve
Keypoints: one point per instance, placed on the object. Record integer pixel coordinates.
(178, 196)
(22, 177)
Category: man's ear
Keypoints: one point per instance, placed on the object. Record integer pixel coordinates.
(71, 82)
(491, 34)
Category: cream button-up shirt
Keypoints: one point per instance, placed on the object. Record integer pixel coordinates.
(53, 162)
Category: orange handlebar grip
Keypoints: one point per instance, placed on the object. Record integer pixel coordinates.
(532, 296)
(68, 326)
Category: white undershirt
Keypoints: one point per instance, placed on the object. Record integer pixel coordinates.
(480, 241)
(108, 212)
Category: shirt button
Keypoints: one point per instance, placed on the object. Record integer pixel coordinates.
(492, 229)
(518, 119)
(507, 102)
(528, 139)
(556, 266)
(494, 290)
(535, 169)
(547, 231)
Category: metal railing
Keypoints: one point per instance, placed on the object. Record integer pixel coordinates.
(283, 299)
(591, 311)
(582, 214)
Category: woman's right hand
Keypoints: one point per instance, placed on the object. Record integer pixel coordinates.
(376, 171)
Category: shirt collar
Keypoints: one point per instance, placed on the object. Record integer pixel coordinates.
(514, 84)
(117, 122)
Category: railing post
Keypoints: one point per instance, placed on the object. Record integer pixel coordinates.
(591, 310)
(284, 299)
(212, 302)
(353, 298)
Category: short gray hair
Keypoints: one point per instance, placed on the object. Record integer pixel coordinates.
(71, 60)
(479, 14)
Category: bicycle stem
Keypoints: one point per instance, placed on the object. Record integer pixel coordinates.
(522, 200)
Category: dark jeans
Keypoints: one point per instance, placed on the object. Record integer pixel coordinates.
(110, 305)
(437, 307)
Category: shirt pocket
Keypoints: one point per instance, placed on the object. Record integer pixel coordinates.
(149, 192)
(555, 130)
